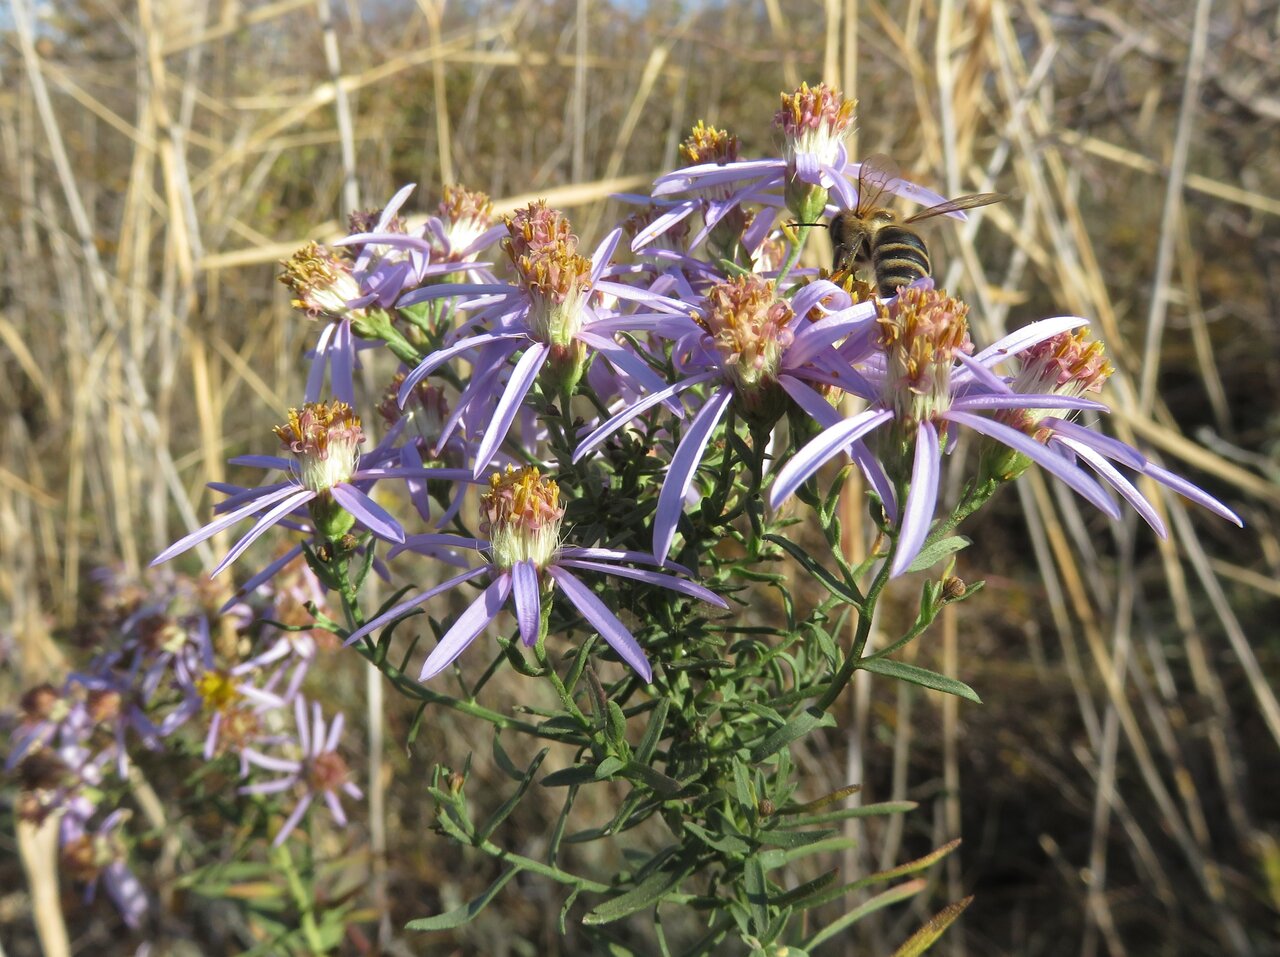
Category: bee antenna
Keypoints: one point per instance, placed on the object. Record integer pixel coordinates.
(792, 225)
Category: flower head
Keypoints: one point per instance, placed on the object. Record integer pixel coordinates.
(814, 122)
(318, 771)
(1067, 364)
(750, 328)
(921, 331)
(522, 516)
(325, 440)
(464, 216)
(707, 144)
(321, 282)
(556, 278)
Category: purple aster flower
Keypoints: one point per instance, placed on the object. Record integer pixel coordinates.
(228, 698)
(325, 442)
(1072, 364)
(923, 381)
(814, 122)
(549, 317)
(749, 349)
(319, 772)
(522, 516)
(98, 856)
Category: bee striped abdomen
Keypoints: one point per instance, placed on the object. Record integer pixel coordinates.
(898, 257)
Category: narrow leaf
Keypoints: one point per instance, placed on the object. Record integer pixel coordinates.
(468, 911)
(808, 720)
(935, 552)
(919, 676)
(924, 938)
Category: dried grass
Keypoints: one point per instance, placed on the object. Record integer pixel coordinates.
(156, 164)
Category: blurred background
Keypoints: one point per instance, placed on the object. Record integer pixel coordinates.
(1116, 792)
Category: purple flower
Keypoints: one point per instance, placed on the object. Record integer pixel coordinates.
(324, 440)
(320, 772)
(549, 316)
(749, 348)
(522, 517)
(922, 380)
(1072, 364)
(98, 856)
(814, 122)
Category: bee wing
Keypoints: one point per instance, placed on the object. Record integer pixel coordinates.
(876, 175)
(956, 205)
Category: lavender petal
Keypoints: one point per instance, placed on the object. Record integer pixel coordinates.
(922, 498)
(518, 387)
(671, 500)
(405, 606)
(810, 458)
(470, 623)
(367, 512)
(604, 621)
(525, 588)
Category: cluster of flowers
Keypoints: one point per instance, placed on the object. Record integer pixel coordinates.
(680, 323)
(164, 671)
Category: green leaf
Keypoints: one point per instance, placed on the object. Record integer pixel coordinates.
(913, 867)
(757, 892)
(617, 726)
(780, 858)
(609, 767)
(510, 803)
(935, 552)
(503, 760)
(742, 786)
(729, 843)
(806, 721)
(798, 894)
(842, 590)
(655, 779)
(919, 676)
(645, 894)
(825, 801)
(653, 733)
(468, 911)
(574, 774)
(924, 938)
(891, 896)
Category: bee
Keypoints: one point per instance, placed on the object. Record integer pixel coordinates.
(873, 235)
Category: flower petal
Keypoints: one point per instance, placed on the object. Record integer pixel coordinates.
(604, 621)
(922, 498)
(367, 512)
(273, 494)
(437, 359)
(671, 500)
(264, 523)
(406, 606)
(525, 588)
(470, 623)
(1026, 337)
(1193, 492)
(1117, 481)
(518, 387)
(819, 449)
(1047, 458)
(692, 589)
(629, 412)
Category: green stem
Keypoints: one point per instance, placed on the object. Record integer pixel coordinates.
(302, 898)
(793, 257)
(851, 661)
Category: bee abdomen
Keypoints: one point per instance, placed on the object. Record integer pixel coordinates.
(899, 258)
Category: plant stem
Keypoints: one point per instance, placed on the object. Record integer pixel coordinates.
(302, 898)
